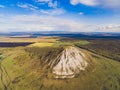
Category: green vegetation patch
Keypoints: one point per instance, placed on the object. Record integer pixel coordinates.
(62, 43)
(25, 69)
(41, 44)
(105, 47)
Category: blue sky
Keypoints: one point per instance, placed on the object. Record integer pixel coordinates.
(64, 15)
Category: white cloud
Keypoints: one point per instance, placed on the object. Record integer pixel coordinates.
(104, 3)
(27, 6)
(53, 11)
(80, 13)
(56, 11)
(22, 5)
(38, 23)
(103, 28)
(85, 2)
(2, 6)
(111, 3)
(110, 27)
(51, 3)
(51, 23)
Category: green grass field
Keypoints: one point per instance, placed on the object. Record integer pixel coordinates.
(41, 44)
(38, 39)
(82, 42)
(26, 73)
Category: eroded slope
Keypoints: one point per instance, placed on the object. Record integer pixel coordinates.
(71, 62)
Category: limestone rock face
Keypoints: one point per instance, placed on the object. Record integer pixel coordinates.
(71, 62)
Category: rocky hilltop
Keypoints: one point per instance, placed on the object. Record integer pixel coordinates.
(69, 62)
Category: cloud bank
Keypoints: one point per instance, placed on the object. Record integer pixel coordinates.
(38, 23)
(104, 3)
(50, 23)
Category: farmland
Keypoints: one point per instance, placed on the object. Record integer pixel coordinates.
(15, 42)
(30, 40)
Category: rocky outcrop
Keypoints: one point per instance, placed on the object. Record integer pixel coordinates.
(69, 63)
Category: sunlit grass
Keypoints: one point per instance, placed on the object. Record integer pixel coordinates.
(82, 42)
(41, 44)
(37, 39)
(27, 74)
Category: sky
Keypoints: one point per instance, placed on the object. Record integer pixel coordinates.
(60, 15)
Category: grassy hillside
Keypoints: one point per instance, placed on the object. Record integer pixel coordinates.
(62, 43)
(104, 47)
(26, 71)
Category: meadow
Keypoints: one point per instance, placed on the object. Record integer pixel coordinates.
(37, 39)
(109, 48)
(26, 72)
(23, 68)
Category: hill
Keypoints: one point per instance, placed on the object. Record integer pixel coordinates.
(28, 68)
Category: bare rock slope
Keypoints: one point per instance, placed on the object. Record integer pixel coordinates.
(70, 62)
